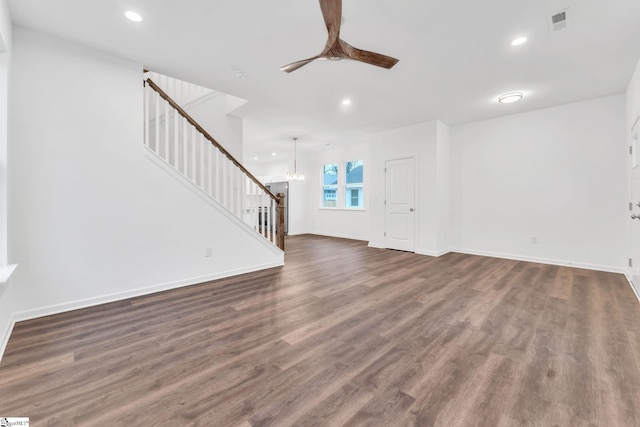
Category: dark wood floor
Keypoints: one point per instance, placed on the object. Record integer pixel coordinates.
(342, 335)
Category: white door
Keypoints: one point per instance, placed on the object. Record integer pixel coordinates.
(635, 212)
(400, 204)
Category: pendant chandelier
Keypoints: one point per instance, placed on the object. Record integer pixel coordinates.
(295, 176)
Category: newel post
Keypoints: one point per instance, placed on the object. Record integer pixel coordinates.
(281, 221)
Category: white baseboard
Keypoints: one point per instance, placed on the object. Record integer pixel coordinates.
(417, 251)
(432, 253)
(563, 263)
(342, 236)
(633, 288)
(118, 296)
(586, 266)
(4, 338)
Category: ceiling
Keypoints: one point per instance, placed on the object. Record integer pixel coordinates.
(455, 57)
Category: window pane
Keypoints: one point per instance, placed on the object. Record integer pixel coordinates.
(354, 172)
(353, 184)
(329, 199)
(330, 186)
(353, 197)
(331, 174)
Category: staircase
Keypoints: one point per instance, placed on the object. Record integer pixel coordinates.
(189, 150)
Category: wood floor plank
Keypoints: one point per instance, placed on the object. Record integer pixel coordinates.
(485, 397)
(384, 409)
(342, 334)
(336, 409)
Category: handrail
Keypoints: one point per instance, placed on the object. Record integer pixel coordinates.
(215, 143)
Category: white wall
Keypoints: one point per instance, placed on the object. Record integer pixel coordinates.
(633, 97)
(301, 219)
(429, 144)
(305, 213)
(91, 218)
(5, 62)
(210, 113)
(5, 27)
(301, 212)
(555, 174)
(393, 144)
(337, 222)
(275, 171)
(443, 190)
(5, 59)
(632, 113)
(208, 107)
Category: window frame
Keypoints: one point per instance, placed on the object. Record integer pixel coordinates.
(349, 186)
(326, 187)
(342, 188)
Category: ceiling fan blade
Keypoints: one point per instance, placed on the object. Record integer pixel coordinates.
(336, 48)
(372, 58)
(332, 13)
(295, 65)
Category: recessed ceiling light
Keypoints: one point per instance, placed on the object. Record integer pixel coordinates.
(273, 154)
(255, 158)
(133, 16)
(346, 101)
(508, 98)
(240, 74)
(519, 41)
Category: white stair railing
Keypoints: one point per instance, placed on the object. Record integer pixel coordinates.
(177, 139)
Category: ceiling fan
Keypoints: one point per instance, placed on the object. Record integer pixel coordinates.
(336, 48)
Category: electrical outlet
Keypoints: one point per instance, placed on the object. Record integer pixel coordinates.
(534, 240)
(208, 252)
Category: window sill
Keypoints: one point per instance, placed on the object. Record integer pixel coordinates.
(6, 271)
(343, 209)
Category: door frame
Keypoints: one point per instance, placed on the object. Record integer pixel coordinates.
(416, 200)
(634, 168)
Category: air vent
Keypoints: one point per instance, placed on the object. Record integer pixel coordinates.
(558, 21)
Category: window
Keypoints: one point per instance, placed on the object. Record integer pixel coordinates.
(354, 184)
(342, 185)
(330, 186)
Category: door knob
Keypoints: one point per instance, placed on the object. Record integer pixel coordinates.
(634, 216)
(411, 210)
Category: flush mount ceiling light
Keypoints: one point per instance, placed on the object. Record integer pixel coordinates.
(346, 101)
(273, 154)
(508, 98)
(519, 41)
(133, 16)
(295, 176)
